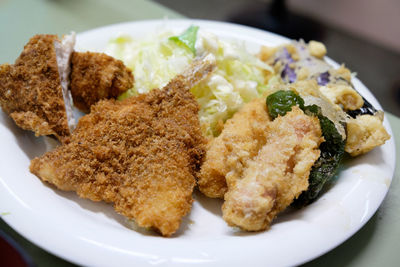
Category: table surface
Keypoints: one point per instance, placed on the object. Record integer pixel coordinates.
(374, 245)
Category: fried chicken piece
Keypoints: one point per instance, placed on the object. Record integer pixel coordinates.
(142, 153)
(97, 76)
(34, 91)
(277, 175)
(243, 135)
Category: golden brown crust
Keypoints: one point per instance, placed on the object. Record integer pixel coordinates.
(96, 76)
(30, 121)
(141, 154)
(364, 133)
(30, 90)
(240, 140)
(276, 175)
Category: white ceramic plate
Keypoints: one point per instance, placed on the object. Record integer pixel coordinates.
(91, 233)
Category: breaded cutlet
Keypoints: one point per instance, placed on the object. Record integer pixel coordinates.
(34, 90)
(142, 154)
(96, 76)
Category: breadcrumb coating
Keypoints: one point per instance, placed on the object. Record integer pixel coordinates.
(97, 76)
(142, 154)
(30, 90)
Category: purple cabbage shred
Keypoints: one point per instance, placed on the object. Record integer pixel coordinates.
(286, 57)
(288, 74)
(323, 78)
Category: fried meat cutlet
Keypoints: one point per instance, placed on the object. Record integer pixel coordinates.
(242, 137)
(34, 90)
(97, 76)
(277, 175)
(142, 153)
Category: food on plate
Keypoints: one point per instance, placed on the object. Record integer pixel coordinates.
(364, 133)
(238, 78)
(332, 149)
(96, 76)
(276, 175)
(141, 154)
(34, 90)
(260, 131)
(298, 61)
(248, 157)
(328, 96)
(229, 153)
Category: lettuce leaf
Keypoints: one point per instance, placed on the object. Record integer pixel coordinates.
(156, 59)
(187, 38)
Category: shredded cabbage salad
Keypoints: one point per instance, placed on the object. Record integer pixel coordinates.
(156, 59)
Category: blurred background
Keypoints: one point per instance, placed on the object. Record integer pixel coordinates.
(365, 34)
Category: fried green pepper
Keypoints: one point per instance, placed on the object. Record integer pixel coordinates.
(332, 149)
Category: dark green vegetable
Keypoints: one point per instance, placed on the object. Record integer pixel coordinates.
(187, 38)
(332, 150)
(324, 169)
(282, 101)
